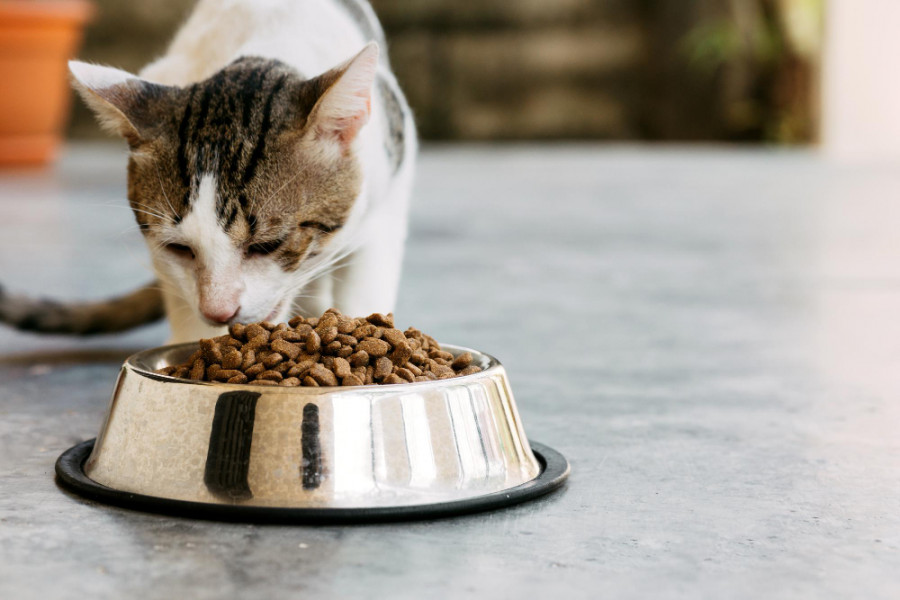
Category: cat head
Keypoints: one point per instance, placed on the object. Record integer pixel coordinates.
(241, 183)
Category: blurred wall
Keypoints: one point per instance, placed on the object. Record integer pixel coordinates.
(861, 118)
(550, 69)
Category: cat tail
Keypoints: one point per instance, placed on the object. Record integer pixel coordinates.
(142, 306)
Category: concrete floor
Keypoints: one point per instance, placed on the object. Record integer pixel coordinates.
(709, 335)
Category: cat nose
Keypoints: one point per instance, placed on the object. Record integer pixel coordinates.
(220, 315)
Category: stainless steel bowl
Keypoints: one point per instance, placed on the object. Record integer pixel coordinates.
(311, 448)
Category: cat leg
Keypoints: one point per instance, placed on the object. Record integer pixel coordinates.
(367, 280)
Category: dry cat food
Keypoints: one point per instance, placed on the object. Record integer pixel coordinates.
(325, 351)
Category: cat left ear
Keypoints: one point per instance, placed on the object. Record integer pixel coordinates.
(123, 103)
(346, 103)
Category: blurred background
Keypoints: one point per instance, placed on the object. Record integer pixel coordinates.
(563, 69)
(770, 71)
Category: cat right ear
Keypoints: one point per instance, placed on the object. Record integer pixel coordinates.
(123, 102)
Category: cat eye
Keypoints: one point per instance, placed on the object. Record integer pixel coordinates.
(181, 250)
(320, 226)
(264, 248)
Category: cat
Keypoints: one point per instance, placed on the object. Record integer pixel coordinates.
(270, 169)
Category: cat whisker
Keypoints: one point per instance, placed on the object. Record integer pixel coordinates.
(265, 203)
(154, 214)
(163, 190)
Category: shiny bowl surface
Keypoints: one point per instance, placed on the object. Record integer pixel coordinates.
(302, 447)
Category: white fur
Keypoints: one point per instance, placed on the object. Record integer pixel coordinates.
(97, 77)
(365, 257)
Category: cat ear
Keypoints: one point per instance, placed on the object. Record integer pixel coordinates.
(345, 105)
(124, 103)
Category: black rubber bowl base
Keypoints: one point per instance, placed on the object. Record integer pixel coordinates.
(70, 475)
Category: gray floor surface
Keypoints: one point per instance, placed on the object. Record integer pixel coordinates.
(711, 336)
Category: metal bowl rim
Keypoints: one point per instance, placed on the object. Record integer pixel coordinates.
(138, 363)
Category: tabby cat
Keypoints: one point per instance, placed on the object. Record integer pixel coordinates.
(271, 160)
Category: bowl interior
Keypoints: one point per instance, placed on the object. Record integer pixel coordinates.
(149, 361)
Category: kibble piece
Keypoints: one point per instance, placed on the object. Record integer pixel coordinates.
(440, 355)
(286, 349)
(392, 378)
(290, 382)
(226, 341)
(289, 335)
(394, 337)
(442, 370)
(167, 370)
(326, 321)
(333, 347)
(322, 375)
(327, 335)
(271, 375)
(462, 361)
(255, 330)
(238, 331)
(413, 369)
(249, 359)
(267, 325)
(383, 368)
(381, 320)
(359, 359)
(341, 367)
(226, 374)
(211, 351)
(363, 331)
(351, 380)
(254, 370)
(347, 325)
(374, 348)
(401, 354)
(310, 382)
(345, 351)
(313, 342)
(347, 340)
(404, 373)
(272, 359)
(198, 370)
(470, 370)
(232, 358)
(418, 358)
(239, 378)
(256, 343)
(212, 371)
(300, 369)
(181, 372)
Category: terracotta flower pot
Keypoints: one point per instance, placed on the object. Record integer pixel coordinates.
(37, 37)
